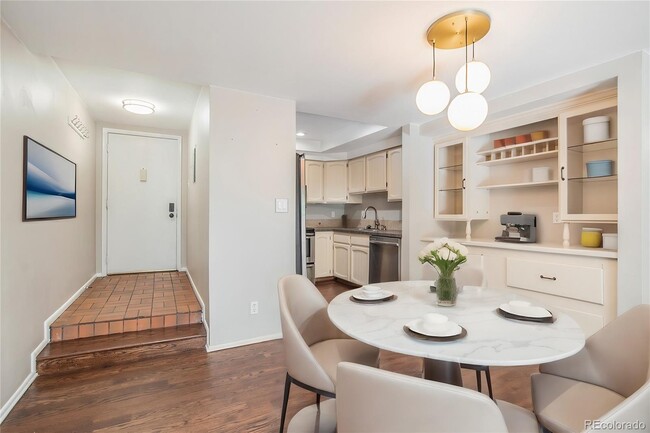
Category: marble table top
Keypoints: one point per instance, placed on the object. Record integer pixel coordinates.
(491, 339)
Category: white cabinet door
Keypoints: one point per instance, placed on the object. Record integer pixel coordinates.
(336, 182)
(357, 175)
(394, 174)
(376, 172)
(342, 261)
(314, 181)
(359, 264)
(323, 255)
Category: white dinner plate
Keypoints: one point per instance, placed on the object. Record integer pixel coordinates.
(383, 294)
(449, 329)
(531, 311)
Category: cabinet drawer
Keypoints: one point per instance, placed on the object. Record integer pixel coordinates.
(360, 240)
(570, 281)
(342, 239)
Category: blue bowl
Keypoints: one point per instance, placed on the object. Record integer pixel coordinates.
(599, 168)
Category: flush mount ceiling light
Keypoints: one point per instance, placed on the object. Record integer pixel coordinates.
(300, 134)
(138, 107)
(469, 109)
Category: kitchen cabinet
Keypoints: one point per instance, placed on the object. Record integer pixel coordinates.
(336, 182)
(455, 194)
(342, 256)
(394, 174)
(376, 172)
(359, 259)
(584, 198)
(582, 286)
(323, 254)
(357, 175)
(314, 185)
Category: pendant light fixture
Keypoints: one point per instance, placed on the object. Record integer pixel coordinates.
(469, 109)
(433, 95)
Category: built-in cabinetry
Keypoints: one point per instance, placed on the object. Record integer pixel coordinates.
(394, 174)
(343, 256)
(323, 254)
(578, 283)
(584, 198)
(455, 196)
(345, 181)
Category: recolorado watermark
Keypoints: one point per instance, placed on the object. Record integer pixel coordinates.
(614, 425)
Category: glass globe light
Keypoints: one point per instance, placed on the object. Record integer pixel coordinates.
(477, 79)
(432, 97)
(467, 111)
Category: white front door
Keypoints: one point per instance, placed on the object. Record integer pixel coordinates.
(143, 180)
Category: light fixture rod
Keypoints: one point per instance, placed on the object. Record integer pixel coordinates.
(433, 49)
(466, 68)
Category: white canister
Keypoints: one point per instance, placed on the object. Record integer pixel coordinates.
(541, 174)
(595, 129)
(610, 241)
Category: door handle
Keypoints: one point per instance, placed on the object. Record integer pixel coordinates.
(171, 215)
(562, 173)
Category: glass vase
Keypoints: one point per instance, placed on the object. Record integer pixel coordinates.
(446, 290)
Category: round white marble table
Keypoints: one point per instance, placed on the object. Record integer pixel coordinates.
(491, 339)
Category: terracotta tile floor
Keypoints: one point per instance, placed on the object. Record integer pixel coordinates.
(129, 302)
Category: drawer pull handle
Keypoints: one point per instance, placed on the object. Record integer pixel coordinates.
(543, 277)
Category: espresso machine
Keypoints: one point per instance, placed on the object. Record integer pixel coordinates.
(518, 228)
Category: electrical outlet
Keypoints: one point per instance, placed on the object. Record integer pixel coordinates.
(556, 218)
(254, 307)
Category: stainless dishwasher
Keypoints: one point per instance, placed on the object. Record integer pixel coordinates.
(384, 259)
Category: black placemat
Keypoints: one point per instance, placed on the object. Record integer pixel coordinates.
(373, 301)
(412, 333)
(512, 316)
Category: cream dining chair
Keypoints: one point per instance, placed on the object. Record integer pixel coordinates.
(606, 384)
(313, 346)
(370, 400)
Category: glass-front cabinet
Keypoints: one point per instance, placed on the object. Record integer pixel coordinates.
(588, 162)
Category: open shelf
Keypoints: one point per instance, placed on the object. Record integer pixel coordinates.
(595, 146)
(516, 146)
(519, 185)
(521, 158)
(609, 178)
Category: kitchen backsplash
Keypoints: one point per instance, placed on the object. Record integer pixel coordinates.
(354, 223)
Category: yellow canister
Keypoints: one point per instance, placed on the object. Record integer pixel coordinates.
(591, 237)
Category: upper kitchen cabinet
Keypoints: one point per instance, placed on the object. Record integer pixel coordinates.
(588, 162)
(376, 172)
(336, 182)
(394, 174)
(357, 175)
(314, 181)
(455, 195)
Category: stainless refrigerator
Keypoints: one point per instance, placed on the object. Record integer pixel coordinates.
(304, 241)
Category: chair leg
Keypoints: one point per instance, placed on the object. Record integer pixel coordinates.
(285, 400)
(489, 382)
(478, 380)
(318, 401)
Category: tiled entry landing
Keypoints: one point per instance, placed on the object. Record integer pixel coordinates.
(129, 302)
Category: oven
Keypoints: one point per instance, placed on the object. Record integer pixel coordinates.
(310, 253)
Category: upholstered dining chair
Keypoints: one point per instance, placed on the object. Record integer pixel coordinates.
(370, 400)
(472, 273)
(313, 346)
(606, 383)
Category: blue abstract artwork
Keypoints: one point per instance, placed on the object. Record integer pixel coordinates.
(50, 183)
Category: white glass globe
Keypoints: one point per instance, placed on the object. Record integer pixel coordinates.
(432, 97)
(477, 79)
(467, 111)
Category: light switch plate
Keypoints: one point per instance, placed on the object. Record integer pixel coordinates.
(281, 205)
(143, 175)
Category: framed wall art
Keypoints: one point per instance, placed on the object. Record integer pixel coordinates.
(49, 183)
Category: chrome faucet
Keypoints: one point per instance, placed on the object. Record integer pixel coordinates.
(365, 214)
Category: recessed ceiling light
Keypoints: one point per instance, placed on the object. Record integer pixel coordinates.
(138, 107)
(300, 134)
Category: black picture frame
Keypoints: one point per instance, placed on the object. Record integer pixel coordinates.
(49, 183)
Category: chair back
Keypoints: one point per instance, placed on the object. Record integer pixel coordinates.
(304, 320)
(617, 357)
(472, 272)
(378, 401)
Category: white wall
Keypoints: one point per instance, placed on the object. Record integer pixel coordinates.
(631, 73)
(252, 162)
(43, 262)
(197, 198)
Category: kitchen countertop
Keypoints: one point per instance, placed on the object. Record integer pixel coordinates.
(360, 231)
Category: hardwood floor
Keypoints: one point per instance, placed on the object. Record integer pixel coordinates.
(234, 390)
